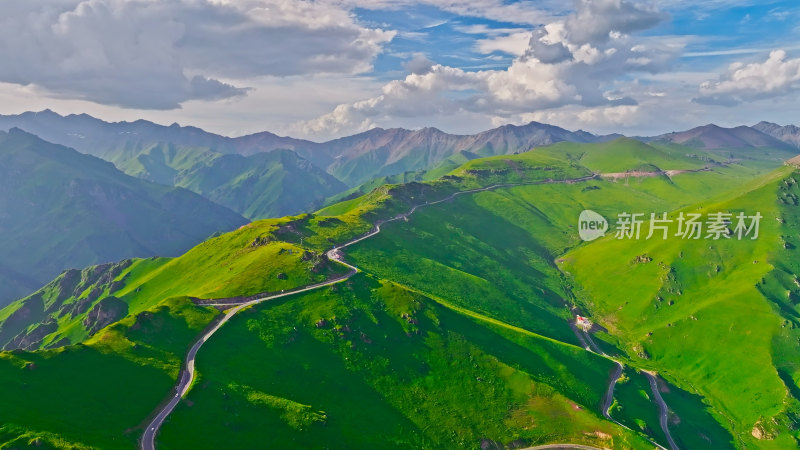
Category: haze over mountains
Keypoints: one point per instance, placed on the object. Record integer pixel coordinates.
(60, 209)
(459, 324)
(774, 143)
(789, 133)
(256, 176)
(352, 159)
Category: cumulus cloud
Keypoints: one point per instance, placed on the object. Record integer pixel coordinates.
(515, 43)
(547, 51)
(159, 54)
(419, 64)
(594, 20)
(566, 62)
(414, 96)
(774, 77)
(598, 117)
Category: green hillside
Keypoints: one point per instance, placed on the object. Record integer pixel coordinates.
(372, 362)
(484, 255)
(718, 318)
(626, 154)
(455, 334)
(273, 184)
(77, 304)
(60, 209)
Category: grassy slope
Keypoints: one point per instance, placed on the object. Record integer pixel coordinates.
(477, 271)
(539, 379)
(501, 262)
(369, 376)
(224, 266)
(272, 184)
(73, 210)
(698, 311)
(624, 154)
(96, 394)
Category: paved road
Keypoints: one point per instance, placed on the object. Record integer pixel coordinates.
(592, 345)
(589, 344)
(585, 338)
(610, 393)
(187, 373)
(662, 408)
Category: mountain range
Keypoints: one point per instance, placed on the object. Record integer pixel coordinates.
(353, 160)
(459, 328)
(789, 133)
(62, 209)
(265, 175)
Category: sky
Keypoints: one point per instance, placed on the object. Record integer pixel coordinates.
(324, 69)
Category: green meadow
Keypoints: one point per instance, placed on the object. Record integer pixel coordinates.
(456, 332)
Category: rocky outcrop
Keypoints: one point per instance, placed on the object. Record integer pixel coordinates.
(70, 295)
(30, 311)
(789, 133)
(104, 313)
(31, 340)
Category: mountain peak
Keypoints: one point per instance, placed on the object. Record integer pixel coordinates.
(48, 113)
(19, 132)
(765, 123)
(789, 134)
(713, 136)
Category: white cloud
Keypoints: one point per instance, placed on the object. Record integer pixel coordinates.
(566, 62)
(774, 77)
(519, 12)
(159, 54)
(595, 19)
(599, 118)
(485, 29)
(515, 43)
(419, 64)
(272, 105)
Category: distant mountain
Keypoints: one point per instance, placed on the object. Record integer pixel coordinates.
(385, 152)
(271, 184)
(715, 137)
(741, 142)
(352, 159)
(274, 184)
(121, 141)
(225, 170)
(61, 209)
(789, 134)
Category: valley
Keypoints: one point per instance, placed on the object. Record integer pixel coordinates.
(421, 225)
(447, 302)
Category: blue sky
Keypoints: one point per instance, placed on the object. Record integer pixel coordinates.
(443, 36)
(322, 69)
(729, 28)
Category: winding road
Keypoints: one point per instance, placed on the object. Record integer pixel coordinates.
(610, 393)
(662, 409)
(585, 338)
(187, 372)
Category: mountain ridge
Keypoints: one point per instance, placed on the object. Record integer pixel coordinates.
(714, 137)
(352, 159)
(71, 209)
(789, 133)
